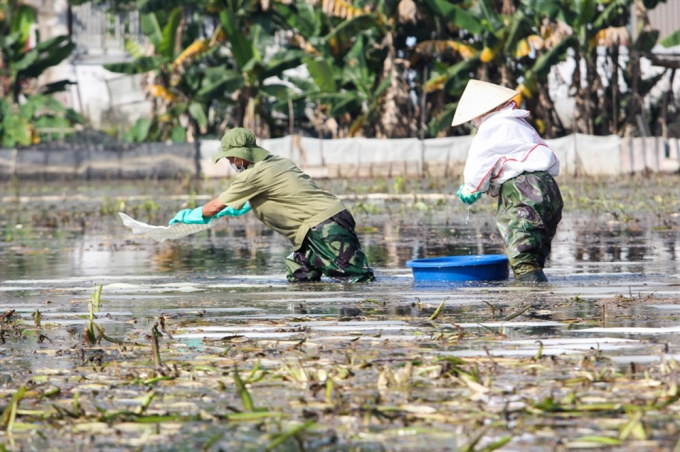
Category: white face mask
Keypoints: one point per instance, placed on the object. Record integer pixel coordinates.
(238, 169)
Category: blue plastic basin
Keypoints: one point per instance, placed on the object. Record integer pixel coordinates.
(487, 267)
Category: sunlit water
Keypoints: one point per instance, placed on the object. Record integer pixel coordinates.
(237, 271)
(208, 285)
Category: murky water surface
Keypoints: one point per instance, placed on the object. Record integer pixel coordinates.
(331, 366)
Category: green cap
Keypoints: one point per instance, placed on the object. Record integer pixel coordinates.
(240, 142)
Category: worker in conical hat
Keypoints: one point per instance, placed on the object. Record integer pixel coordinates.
(509, 159)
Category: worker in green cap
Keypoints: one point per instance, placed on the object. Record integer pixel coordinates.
(287, 200)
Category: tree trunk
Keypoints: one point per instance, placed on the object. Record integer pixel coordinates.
(663, 118)
(589, 89)
(396, 120)
(632, 94)
(254, 119)
(2, 79)
(614, 129)
(242, 99)
(581, 97)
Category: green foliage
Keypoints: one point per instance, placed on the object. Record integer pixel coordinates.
(138, 66)
(139, 131)
(229, 76)
(671, 40)
(21, 63)
(457, 15)
(178, 134)
(39, 118)
(26, 117)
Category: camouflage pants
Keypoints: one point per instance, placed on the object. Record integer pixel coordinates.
(529, 210)
(330, 248)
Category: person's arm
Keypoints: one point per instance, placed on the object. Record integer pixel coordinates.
(479, 165)
(233, 203)
(212, 208)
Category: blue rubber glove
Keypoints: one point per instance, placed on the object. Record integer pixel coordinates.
(466, 196)
(195, 216)
(190, 216)
(231, 212)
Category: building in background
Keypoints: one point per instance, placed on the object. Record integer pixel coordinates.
(110, 100)
(665, 17)
(105, 99)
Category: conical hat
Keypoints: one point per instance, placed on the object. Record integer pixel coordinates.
(479, 98)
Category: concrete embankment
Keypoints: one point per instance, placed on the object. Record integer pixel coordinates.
(580, 155)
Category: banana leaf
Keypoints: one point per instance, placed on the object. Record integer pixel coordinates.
(671, 40)
(134, 49)
(647, 40)
(547, 60)
(322, 73)
(152, 29)
(218, 81)
(443, 119)
(280, 62)
(456, 15)
(301, 17)
(613, 11)
(552, 9)
(178, 134)
(15, 130)
(241, 47)
(22, 21)
(25, 62)
(49, 53)
(56, 87)
(138, 66)
(166, 47)
(521, 27)
(276, 90)
(348, 30)
(139, 132)
(197, 112)
(356, 70)
(459, 74)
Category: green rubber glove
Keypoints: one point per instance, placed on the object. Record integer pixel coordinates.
(231, 212)
(466, 196)
(195, 216)
(190, 216)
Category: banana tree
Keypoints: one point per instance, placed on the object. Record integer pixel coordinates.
(27, 115)
(462, 37)
(397, 21)
(499, 43)
(487, 40)
(248, 37)
(599, 104)
(20, 64)
(345, 63)
(322, 36)
(362, 91)
(38, 118)
(178, 83)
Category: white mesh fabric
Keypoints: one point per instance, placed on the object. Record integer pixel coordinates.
(163, 233)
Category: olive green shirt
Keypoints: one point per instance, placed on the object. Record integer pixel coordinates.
(282, 197)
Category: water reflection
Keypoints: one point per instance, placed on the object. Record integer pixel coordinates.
(247, 247)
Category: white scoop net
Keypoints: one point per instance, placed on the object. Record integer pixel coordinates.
(163, 233)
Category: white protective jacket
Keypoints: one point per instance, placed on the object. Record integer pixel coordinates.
(504, 147)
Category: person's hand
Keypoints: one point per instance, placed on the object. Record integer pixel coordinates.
(189, 216)
(466, 196)
(231, 212)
